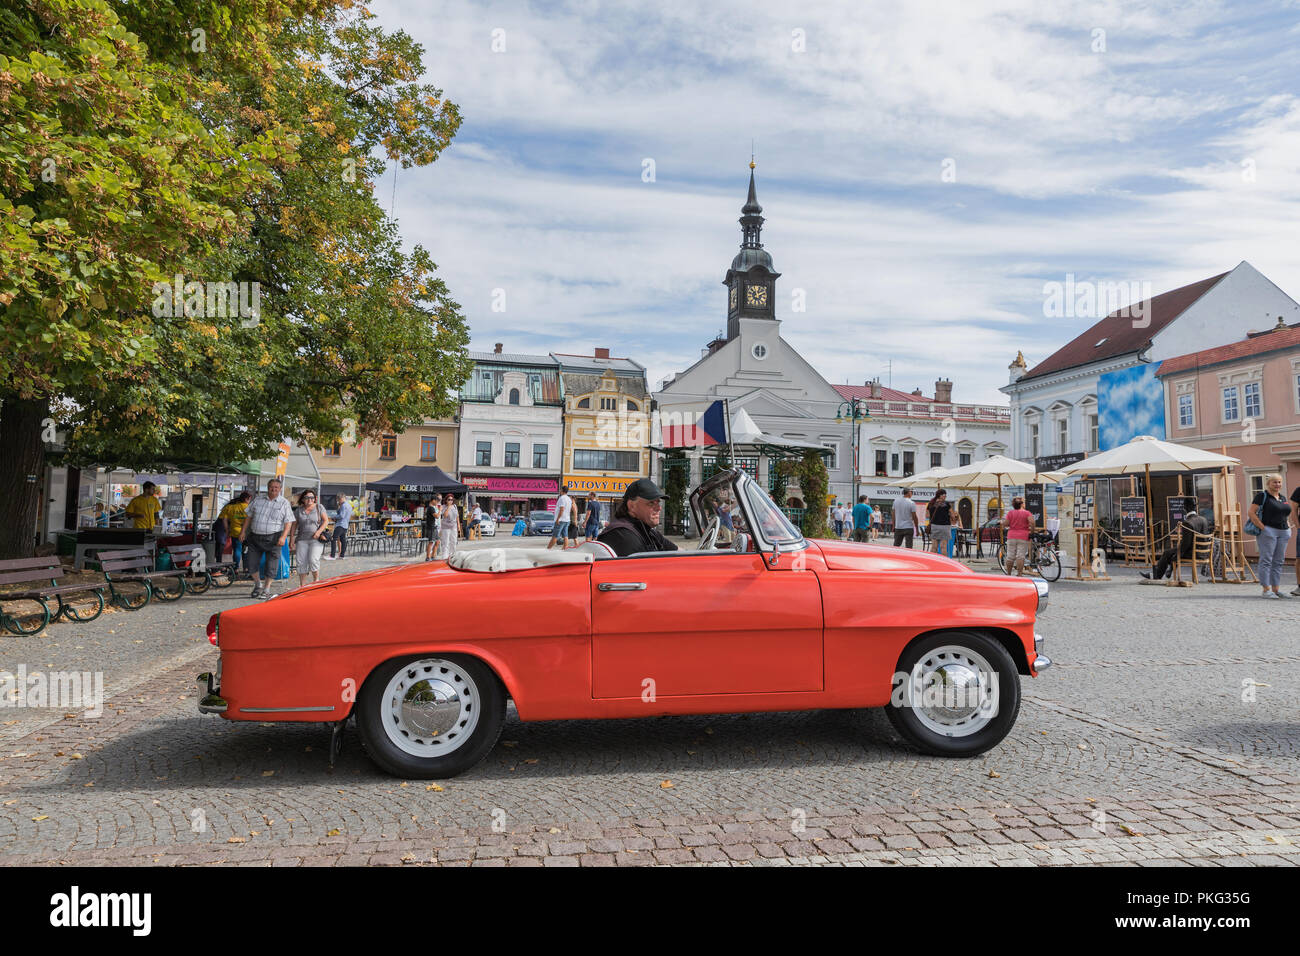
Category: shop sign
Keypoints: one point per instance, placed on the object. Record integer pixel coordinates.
(528, 486)
(600, 484)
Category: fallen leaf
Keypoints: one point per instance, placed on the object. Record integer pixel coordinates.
(334, 832)
(1129, 830)
(1040, 846)
(434, 787)
(994, 773)
(69, 716)
(79, 757)
(509, 743)
(531, 760)
(666, 785)
(1083, 746)
(268, 773)
(44, 816)
(10, 803)
(238, 840)
(1278, 839)
(553, 830)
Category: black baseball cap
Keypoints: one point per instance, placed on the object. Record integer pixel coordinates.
(643, 488)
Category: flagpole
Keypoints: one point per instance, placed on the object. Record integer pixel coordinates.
(731, 449)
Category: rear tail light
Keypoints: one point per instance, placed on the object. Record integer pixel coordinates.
(212, 629)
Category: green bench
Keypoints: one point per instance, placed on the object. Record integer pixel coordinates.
(26, 570)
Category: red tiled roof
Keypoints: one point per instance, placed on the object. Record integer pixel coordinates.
(1255, 345)
(886, 393)
(1118, 332)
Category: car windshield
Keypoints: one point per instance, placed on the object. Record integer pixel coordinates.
(740, 505)
(542, 516)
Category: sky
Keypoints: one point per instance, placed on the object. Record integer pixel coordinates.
(926, 169)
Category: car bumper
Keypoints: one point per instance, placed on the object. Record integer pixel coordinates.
(1041, 661)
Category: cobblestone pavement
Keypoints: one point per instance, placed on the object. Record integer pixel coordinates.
(1166, 734)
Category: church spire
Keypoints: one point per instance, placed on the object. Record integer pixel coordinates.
(751, 218)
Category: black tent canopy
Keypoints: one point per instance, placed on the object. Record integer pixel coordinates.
(418, 480)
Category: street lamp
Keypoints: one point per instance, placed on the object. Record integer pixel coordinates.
(854, 410)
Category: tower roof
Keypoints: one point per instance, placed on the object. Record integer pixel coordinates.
(751, 207)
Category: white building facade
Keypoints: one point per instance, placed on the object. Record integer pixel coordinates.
(909, 433)
(512, 432)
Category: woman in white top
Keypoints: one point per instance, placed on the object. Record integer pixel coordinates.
(448, 527)
(311, 524)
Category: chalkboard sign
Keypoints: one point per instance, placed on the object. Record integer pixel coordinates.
(1034, 503)
(1133, 517)
(172, 505)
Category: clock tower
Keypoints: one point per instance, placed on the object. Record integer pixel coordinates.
(751, 281)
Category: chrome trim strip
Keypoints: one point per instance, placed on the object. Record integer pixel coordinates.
(280, 710)
(1042, 588)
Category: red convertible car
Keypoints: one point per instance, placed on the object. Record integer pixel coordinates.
(425, 656)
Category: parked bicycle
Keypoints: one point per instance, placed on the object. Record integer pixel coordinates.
(1044, 558)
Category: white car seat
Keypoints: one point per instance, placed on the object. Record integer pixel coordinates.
(514, 559)
(597, 549)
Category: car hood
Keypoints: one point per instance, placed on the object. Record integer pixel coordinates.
(851, 556)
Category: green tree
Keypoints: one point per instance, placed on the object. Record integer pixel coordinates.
(813, 484)
(241, 146)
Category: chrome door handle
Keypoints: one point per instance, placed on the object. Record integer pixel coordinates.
(621, 586)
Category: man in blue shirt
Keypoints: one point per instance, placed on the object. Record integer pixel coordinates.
(862, 520)
(340, 537)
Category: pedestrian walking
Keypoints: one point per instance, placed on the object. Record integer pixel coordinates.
(310, 528)
(475, 517)
(266, 529)
(591, 517)
(431, 529)
(875, 523)
(449, 525)
(339, 537)
(837, 517)
(862, 515)
(563, 514)
(1019, 523)
(232, 516)
(940, 523)
(905, 518)
(1271, 513)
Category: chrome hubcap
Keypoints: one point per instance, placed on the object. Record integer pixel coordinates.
(430, 708)
(953, 690)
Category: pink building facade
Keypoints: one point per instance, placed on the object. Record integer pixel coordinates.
(1243, 398)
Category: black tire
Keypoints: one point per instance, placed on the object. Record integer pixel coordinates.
(72, 613)
(373, 713)
(928, 740)
(1049, 564)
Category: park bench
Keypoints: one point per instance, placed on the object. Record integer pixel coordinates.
(136, 566)
(24, 570)
(199, 574)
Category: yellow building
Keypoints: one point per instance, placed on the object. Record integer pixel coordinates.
(345, 468)
(606, 425)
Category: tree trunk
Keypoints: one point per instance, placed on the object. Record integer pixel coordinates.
(21, 469)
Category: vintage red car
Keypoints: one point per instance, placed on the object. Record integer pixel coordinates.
(426, 656)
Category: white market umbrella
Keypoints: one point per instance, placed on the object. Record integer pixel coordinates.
(931, 476)
(1143, 453)
(996, 471)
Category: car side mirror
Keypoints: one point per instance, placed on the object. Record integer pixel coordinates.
(740, 544)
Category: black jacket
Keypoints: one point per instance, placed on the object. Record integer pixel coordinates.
(629, 536)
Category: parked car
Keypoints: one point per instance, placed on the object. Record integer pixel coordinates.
(540, 522)
(487, 525)
(772, 622)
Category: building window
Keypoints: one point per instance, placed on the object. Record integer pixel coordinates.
(633, 407)
(388, 447)
(540, 453)
(909, 463)
(963, 459)
(1254, 401)
(590, 459)
(483, 453)
(428, 448)
(834, 461)
(512, 454)
(881, 469)
(514, 396)
(584, 403)
(893, 463)
(334, 450)
(609, 404)
(1062, 436)
(1033, 441)
(1231, 409)
(936, 459)
(1185, 415)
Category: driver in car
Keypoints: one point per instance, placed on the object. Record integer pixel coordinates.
(635, 524)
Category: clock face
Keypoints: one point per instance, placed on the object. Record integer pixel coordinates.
(733, 297)
(756, 295)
